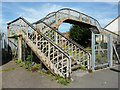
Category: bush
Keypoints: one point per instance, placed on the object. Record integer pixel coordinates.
(81, 34)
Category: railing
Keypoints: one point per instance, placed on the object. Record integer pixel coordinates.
(74, 50)
(115, 40)
(54, 57)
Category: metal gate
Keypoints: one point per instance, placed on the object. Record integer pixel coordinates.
(101, 51)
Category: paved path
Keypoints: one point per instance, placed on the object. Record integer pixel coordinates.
(20, 78)
(99, 79)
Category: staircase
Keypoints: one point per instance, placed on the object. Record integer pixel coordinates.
(58, 53)
(53, 57)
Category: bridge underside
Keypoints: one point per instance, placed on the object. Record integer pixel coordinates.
(82, 24)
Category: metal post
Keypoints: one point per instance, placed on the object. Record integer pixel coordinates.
(110, 50)
(20, 48)
(93, 50)
(24, 50)
(48, 54)
(27, 31)
(55, 20)
(80, 17)
(36, 38)
(69, 14)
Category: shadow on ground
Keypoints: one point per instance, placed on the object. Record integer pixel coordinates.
(114, 69)
(6, 55)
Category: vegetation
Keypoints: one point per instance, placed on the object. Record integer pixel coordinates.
(90, 70)
(62, 80)
(27, 64)
(49, 75)
(81, 34)
(102, 44)
(15, 37)
(82, 67)
(36, 67)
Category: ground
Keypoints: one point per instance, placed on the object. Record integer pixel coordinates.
(18, 77)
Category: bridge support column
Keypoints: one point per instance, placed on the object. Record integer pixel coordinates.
(20, 48)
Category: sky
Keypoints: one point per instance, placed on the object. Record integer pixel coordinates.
(104, 12)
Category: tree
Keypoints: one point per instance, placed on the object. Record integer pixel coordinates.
(80, 34)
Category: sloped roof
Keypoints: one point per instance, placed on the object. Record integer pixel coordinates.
(111, 22)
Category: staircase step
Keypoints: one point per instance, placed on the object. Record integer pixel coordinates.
(75, 67)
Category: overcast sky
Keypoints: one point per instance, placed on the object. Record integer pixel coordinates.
(104, 12)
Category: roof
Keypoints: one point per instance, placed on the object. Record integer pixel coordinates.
(111, 22)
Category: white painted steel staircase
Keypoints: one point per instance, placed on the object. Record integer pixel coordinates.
(58, 53)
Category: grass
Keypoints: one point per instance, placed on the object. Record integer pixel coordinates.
(49, 75)
(59, 79)
(29, 69)
(82, 67)
(62, 80)
(9, 69)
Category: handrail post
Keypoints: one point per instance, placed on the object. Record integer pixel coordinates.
(95, 22)
(69, 14)
(55, 20)
(67, 68)
(27, 31)
(36, 39)
(48, 54)
(88, 20)
(88, 62)
(20, 47)
(80, 17)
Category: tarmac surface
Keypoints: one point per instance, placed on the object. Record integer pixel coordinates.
(19, 77)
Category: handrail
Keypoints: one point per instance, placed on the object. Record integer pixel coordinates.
(81, 47)
(13, 21)
(49, 40)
